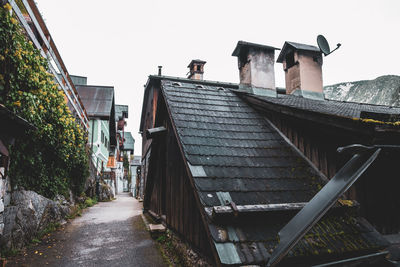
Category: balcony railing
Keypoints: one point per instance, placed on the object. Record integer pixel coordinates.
(45, 44)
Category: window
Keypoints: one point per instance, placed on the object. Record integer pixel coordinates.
(198, 67)
(102, 137)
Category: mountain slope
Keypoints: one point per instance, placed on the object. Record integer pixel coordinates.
(384, 90)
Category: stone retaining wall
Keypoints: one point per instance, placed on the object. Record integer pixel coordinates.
(25, 214)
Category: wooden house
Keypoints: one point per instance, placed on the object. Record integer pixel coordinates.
(226, 166)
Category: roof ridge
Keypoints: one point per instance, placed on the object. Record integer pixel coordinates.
(198, 96)
(192, 81)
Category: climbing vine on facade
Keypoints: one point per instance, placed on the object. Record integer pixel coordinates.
(53, 158)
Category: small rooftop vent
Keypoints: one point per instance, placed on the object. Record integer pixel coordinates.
(176, 84)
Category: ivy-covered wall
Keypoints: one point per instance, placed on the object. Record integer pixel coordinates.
(53, 158)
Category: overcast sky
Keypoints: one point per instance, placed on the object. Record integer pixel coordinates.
(121, 42)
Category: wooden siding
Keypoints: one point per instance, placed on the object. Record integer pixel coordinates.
(318, 143)
(149, 118)
(182, 211)
(168, 191)
(376, 190)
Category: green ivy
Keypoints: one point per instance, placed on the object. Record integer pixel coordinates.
(53, 158)
(126, 161)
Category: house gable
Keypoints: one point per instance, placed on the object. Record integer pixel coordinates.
(236, 158)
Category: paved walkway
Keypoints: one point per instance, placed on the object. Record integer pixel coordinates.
(107, 234)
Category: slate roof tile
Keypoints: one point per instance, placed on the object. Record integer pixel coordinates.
(250, 185)
(218, 114)
(247, 161)
(329, 107)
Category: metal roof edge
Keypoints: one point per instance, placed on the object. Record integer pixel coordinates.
(242, 44)
(205, 82)
(298, 46)
(99, 86)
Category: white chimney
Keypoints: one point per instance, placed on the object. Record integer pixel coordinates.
(256, 68)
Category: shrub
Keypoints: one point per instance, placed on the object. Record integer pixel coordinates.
(51, 159)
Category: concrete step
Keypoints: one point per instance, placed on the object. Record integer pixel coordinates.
(157, 228)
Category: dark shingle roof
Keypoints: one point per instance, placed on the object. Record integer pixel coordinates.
(98, 100)
(245, 45)
(121, 111)
(290, 45)
(236, 155)
(129, 143)
(329, 107)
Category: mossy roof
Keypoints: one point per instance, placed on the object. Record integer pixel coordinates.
(235, 155)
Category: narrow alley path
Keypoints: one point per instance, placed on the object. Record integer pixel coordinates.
(107, 234)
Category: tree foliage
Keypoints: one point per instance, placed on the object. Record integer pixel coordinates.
(53, 158)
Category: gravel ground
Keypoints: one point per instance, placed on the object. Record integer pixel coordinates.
(107, 234)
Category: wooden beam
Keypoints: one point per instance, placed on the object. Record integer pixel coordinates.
(155, 132)
(218, 211)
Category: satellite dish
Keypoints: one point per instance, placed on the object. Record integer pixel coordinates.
(324, 45)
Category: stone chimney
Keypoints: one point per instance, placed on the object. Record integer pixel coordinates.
(196, 69)
(256, 68)
(303, 70)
